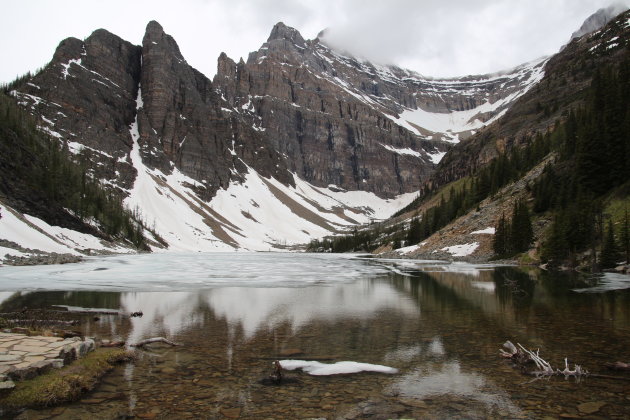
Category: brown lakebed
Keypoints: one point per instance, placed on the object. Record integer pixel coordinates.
(440, 325)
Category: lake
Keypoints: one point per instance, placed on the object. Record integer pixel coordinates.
(439, 324)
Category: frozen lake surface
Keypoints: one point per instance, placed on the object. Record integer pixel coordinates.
(190, 271)
(402, 338)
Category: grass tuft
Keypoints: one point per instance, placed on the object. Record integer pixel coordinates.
(65, 384)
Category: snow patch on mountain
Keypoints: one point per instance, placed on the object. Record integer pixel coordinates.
(406, 151)
(454, 123)
(461, 250)
(32, 233)
(254, 213)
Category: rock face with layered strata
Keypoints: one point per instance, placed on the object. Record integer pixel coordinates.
(296, 111)
(341, 121)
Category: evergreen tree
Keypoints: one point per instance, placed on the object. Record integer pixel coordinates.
(625, 237)
(521, 233)
(415, 231)
(500, 242)
(610, 254)
(555, 249)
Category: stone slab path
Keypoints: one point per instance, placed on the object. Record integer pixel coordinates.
(23, 356)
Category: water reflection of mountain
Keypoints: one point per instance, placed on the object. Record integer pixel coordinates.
(537, 308)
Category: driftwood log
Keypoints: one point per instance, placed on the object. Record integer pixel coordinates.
(618, 366)
(540, 367)
(154, 340)
(532, 364)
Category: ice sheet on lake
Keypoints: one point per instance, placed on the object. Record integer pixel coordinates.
(191, 271)
(339, 368)
(608, 282)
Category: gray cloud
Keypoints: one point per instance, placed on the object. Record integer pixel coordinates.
(433, 37)
(459, 37)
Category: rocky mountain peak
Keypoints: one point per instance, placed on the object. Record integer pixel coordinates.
(155, 36)
(599, 19)
(282, 31)
(297, 114)
(68, 49)
(154, 30)
(322, 34)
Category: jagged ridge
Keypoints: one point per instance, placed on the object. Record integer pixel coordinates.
(296, 111)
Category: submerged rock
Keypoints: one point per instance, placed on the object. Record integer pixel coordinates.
(590, 407)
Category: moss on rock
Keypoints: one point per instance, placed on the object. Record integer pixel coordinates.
(65, 384)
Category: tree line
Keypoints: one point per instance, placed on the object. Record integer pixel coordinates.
(49, 172)
(591, 147)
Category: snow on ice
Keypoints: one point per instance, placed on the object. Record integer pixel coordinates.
(339, 368)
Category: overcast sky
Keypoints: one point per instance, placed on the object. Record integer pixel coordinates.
(432, 37)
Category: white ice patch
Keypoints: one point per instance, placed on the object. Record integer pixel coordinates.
(487, 231)
(373, 207)
(461, 250)
(34, 233)
(408, 249)
(608, 282)
(406, 151)
(50, 132)
(66, 67)
(436, 157)
(339, 368)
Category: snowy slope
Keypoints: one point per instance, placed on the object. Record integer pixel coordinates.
(441, 109)
(35, 236)
(449, 125)
(256, 212)
(259, 214)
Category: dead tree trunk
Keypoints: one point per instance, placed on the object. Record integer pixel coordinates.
(154, 340)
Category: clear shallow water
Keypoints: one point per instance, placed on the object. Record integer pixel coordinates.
(439, 324)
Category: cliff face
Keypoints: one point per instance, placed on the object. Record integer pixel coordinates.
(568, 77)
(359, 126)
(295, 126)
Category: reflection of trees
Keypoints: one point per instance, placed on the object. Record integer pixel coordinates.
(538, 308)
(514, 286)
(87, 299)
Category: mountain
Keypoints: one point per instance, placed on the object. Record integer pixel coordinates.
(547, 182)
(568, 77)
(298, 142)
(599, 19)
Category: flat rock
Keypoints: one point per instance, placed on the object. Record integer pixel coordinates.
(7, 384)
(590, 407)
(231, 413)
